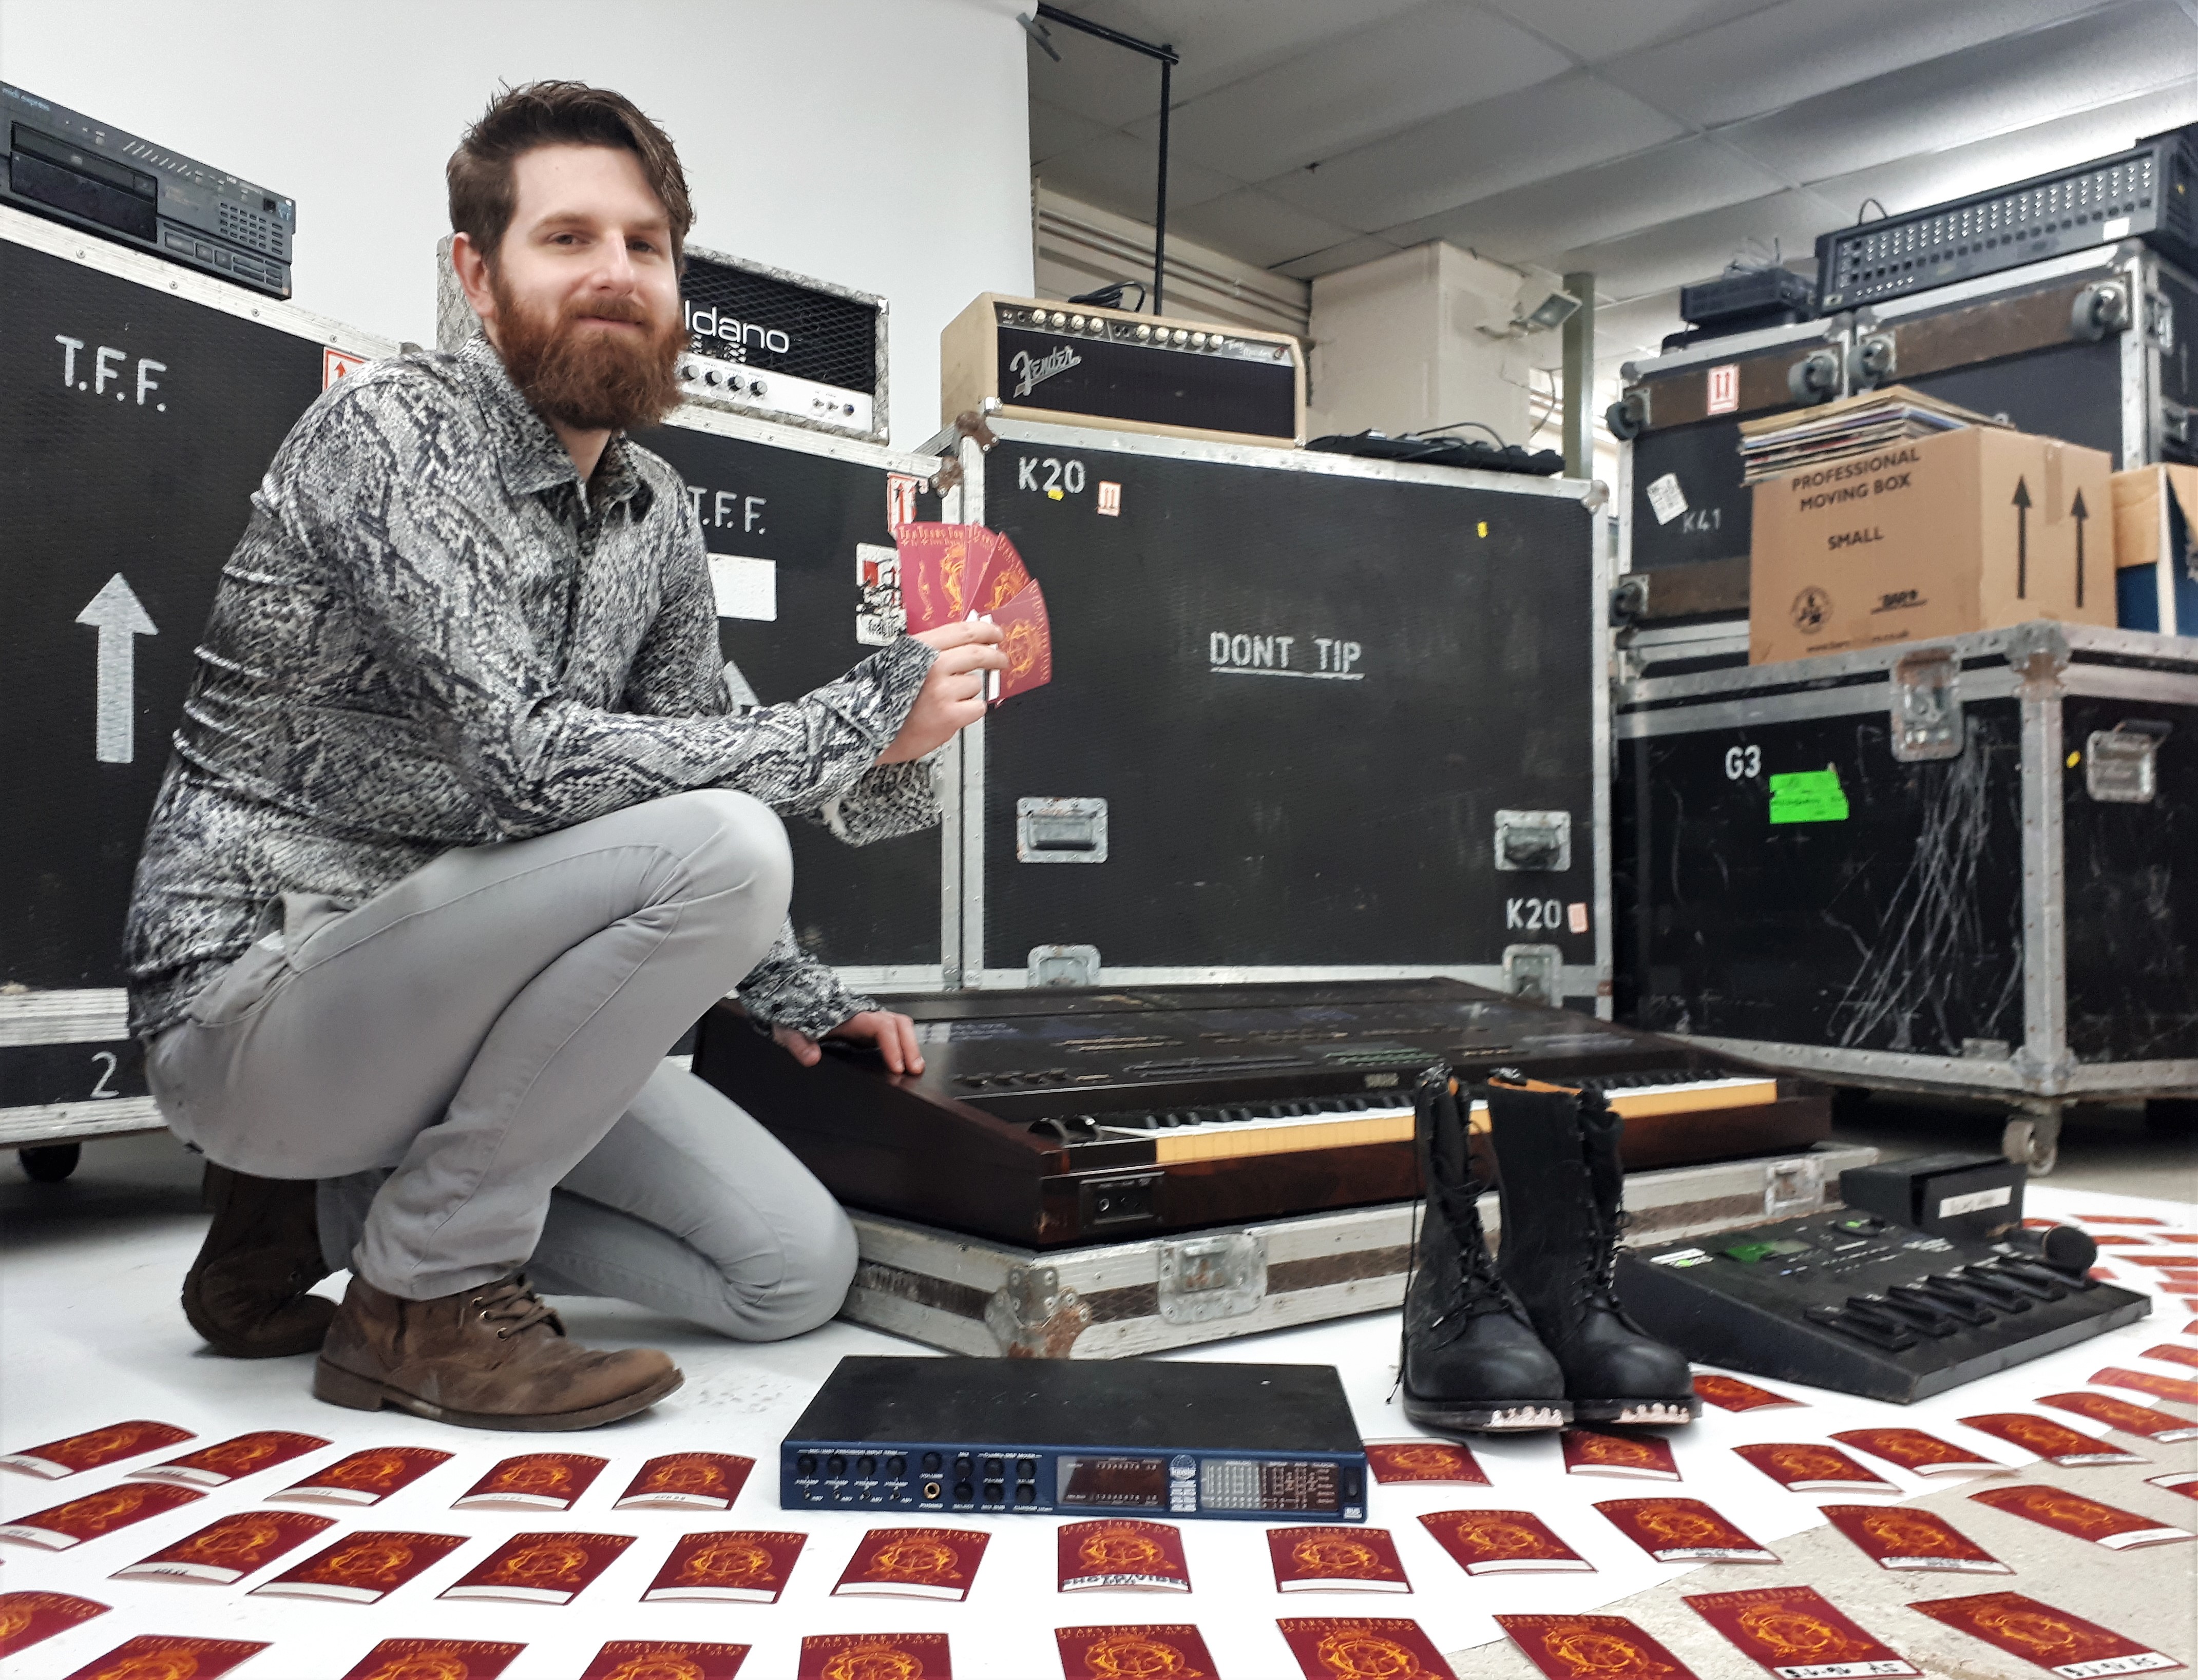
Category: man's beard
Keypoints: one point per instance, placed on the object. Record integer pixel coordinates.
(591, 379)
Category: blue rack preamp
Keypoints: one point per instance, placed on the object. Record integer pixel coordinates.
(1077, 1438)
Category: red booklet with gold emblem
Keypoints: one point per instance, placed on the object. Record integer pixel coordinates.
(1901, 1536)
(227, 1551)
(1805, 1467)
(1502, 1542)
(86, 1518)
(1343, 1647)
(94, 1448)
(858, 1656)
(1914, 1450)
(2073, 1514)
(434, 1659)
(745, 1565)
(701, 1481)
(26, 1618)
(162, 1654)
(2178, 1389)
(225, 1460)
(1423, 1462)
(2172, 1353)
(1591, 1648)
(1590, 1452)
(915, 1563)
(365, 1478)
(2056, 1443)
(539, 1568)
(1164, 1650)
(1026, 639)
(1797, 1634)
(2184, 1482)
(540, 1481)
(940, 567)
(1333, 1558)
(663, 1659)
(2053, 1640)
(2126, 1416)
(1122, 1554)
(1683, 1531)
(363, 1567)
(1729, 1393)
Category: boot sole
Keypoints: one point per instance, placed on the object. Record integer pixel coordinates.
(1488, 1417)
(1638, 1411)
(340, 1387)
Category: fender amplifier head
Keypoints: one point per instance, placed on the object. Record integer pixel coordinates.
(779, 345)
(1033, 359)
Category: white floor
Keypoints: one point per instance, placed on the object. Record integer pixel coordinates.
(89, 1333)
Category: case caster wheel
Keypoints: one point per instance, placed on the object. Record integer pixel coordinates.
(49, 1163)
(2033, 1141)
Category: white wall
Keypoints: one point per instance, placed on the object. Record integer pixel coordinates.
(880, 143)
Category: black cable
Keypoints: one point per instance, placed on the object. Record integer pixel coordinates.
(1110, 296)
(1883, 214)
(1429, 431)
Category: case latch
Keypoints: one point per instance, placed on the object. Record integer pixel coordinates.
(1060, 831)
(1535, 972)
(1208, 1277)
(1063, 965)
(2121, 765)
(1533, 840)
(1792, 1186)
(1032, 1316)
(1926, 706)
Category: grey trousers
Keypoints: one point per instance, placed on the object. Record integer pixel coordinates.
(472, 1063)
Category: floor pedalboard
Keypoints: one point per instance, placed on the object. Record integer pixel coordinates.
(1078, 1437)
(1848, 1301)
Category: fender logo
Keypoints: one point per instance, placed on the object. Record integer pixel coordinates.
(1032, 372)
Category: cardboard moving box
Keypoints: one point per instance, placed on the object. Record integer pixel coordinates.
(2156, 549)
(1929, 536)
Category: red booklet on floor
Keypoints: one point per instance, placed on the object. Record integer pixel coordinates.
(26, 1618)
(748, 1565)
(94, 1448)
(225, 1552)
(1804, 1467)
(1914, 1450)
(858, 1656)
(1423, 1462)
(540, 1568)
(1590, 1452)
(362, 1567)
(2055, 1443)
(1798, 1634)
(365, 1478)
(2067, 1645)
(1502, 1542)
(915, 1563)
(1330, 1646)
(162, 1654)
(225, 1460)
(660, 1660)
(2072, 1513)
(58, 1527)
(1901, 1536)
(1605, 1648)
(1729, 1393)
(539, 1481)
(1119, 1554)
(1158, 1649)
(1331, 1558)
(1683, 1531)
(440, 1659)
(2126, 1416)
(701, 1481)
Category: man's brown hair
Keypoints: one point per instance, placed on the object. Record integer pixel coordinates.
(483, 194)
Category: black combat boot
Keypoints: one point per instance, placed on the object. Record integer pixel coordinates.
(1471, 1360)
(245, 1292)
(1556, 1153)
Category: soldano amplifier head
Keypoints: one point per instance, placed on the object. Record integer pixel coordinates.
(781, 346)
(1031, 359)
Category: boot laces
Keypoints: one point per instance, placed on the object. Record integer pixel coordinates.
(1597, 1283)
(513, 1308)
(1479, 1290)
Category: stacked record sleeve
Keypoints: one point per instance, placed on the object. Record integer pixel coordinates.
(1777, 445)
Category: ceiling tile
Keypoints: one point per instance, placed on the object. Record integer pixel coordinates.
(1635, 330)
(1912, 183)
(1117, 172)
(1377, 80)
(1476, 152)
(1802, 48)
(1257, 227)
(1054, 131)
(1596, 30)
(2093, 61)
(1696, 247)
(1364, 248)
(1219, 42)
(1678, 178)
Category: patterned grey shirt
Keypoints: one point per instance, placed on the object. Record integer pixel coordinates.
(432, 635)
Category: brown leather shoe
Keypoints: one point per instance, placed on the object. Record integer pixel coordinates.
(245, 1292)
(491, 1357)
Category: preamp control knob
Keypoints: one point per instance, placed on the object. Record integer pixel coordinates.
(1143, 332)
(733, 382)
(1198, 341)
(1075, 323)
(710, 376)
(1181, 336)
(1058, 319)
(756, 388)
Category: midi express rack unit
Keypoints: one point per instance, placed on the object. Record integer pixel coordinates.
(1078, 1437)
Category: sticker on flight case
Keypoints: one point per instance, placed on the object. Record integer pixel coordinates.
(1724, 391)
(1666, 499)
(335, 363)
(1110, 498)
(1808, 796)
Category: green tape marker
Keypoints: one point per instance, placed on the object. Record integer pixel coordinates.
(1808, 796)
